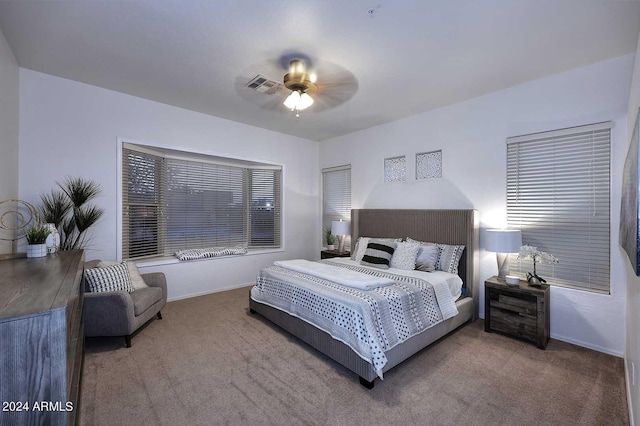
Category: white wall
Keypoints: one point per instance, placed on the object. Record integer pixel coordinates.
(472, 137)
(70, 128)
(632, 355)
(9, 125)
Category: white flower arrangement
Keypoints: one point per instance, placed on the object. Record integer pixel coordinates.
(531, 252)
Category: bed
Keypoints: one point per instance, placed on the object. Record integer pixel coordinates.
(459, 227)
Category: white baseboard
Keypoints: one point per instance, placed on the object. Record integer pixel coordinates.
(203, 293)
(588, 345)
(627, 378)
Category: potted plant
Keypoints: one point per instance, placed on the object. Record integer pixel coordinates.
(37, 240)
(70, 211)
(537, 256)
(330, 238)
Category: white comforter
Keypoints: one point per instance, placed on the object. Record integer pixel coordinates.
(338, 275)
(453, 281)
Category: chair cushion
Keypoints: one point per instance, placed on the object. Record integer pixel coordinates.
(144, 298)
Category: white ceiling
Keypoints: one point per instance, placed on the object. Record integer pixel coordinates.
(408, 57)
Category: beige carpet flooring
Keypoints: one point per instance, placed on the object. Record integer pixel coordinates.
(210, 362)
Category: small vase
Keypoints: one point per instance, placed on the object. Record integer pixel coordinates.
(535, 280)
(36, 250)
(53, 240)
(331, 247)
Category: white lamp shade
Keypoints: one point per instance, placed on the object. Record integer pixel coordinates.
(305, 101)
(298, 101)
(292, 100)
(340, 227)
(503, 240)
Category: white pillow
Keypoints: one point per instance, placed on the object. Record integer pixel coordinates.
(404, 256)
(361, 247)
(109, 278)
(137, 282)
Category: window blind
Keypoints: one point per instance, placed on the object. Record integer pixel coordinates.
(203, 205)
(173, 203)
(558, 186)
(264, 213)
(336, 196)
(141, 201)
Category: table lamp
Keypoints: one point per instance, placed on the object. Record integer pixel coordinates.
(503, 242)
(340, 228)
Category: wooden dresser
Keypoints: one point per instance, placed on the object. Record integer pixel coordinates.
(41, 338)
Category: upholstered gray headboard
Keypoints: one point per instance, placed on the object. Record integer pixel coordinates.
(437, 226)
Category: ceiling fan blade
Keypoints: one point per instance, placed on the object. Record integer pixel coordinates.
(324, 101)
(335, 90)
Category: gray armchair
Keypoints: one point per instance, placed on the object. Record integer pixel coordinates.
(118, 313)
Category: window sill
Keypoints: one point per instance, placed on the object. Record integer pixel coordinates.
(170, 260)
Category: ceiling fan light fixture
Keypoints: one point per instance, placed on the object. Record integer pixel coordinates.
(292, 100)
(299, 87)
(297, 101)
(305, 101)
(302, 86)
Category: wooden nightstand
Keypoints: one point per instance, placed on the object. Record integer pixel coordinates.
(328, 254)
(521, 310)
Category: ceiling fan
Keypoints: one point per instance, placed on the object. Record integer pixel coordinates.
(306, 84)
(302, 86)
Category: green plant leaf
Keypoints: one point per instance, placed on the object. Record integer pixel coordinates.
(86, 216)
(329, 237)
(67, 208)
(68, 228)
(55, 207)
(80, 190)
(37, 235)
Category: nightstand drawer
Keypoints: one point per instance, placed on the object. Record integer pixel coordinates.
(512, 323)
(329, 254)
(523, 306)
